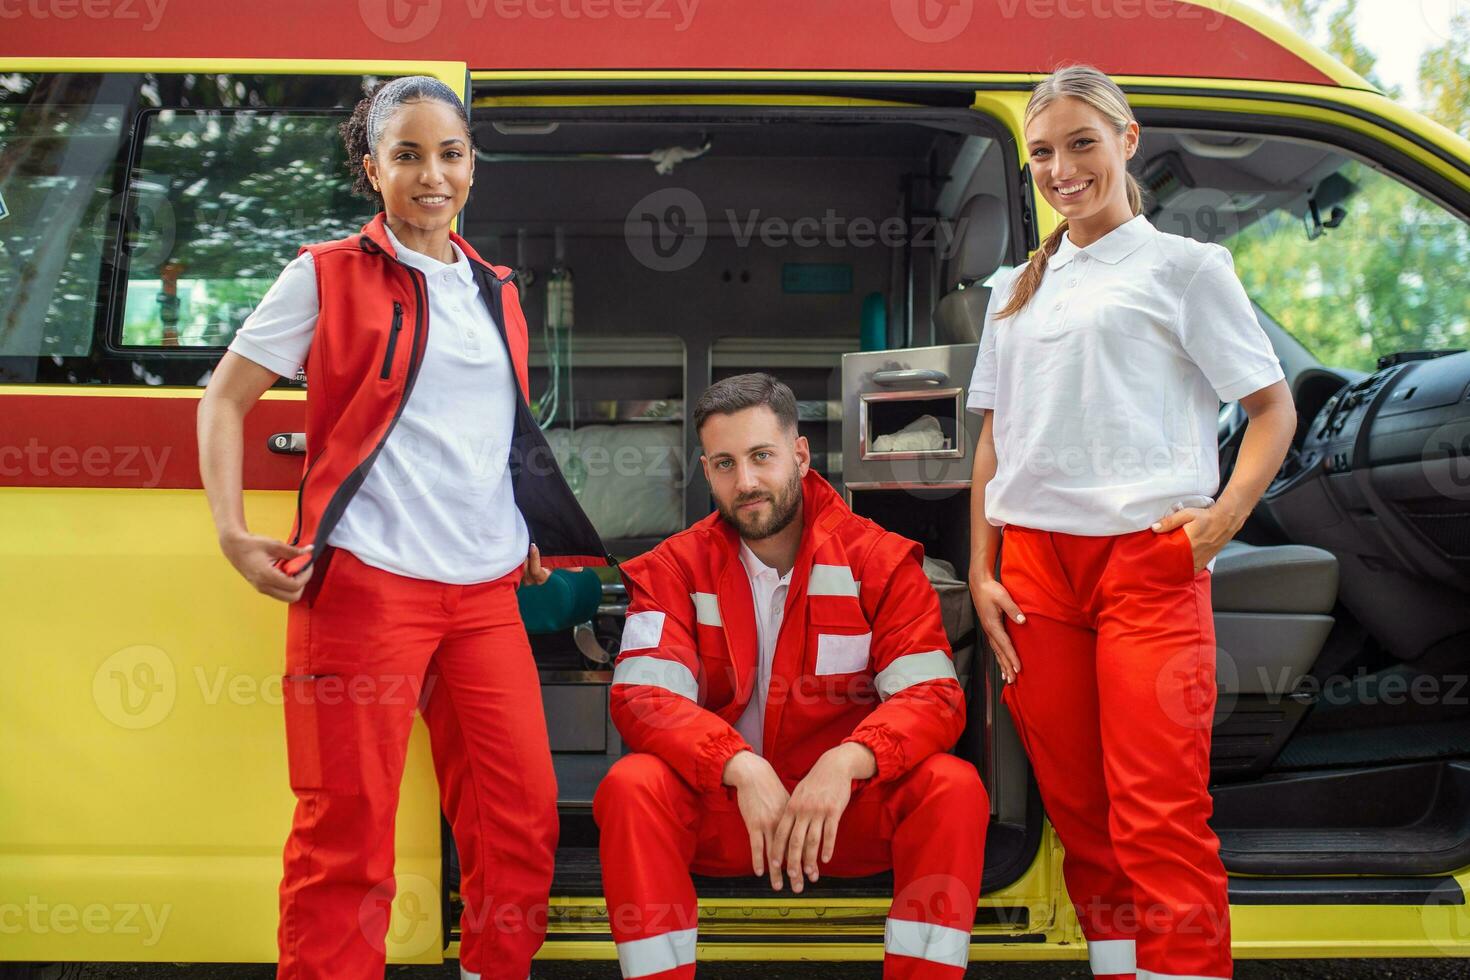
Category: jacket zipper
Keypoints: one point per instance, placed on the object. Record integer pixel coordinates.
(392, 340)
(420, 329)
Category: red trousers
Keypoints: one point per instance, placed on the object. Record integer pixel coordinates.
(1115, 702)
(370, 650)
(928, 826)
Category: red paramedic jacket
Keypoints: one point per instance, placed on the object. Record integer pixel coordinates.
(365, 354)
(861, 655)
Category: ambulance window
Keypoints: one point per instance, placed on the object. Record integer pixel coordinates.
(1348, 259)
(219, 202)
(1360, 266)
(60, 140)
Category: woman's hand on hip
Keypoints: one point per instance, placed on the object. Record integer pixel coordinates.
(994, 606)
(1207, 528)
(254, 556)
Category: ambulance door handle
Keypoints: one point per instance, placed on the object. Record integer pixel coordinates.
(923, 376)
(287, 443)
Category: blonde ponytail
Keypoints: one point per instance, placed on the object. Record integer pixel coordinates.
(1099, 91)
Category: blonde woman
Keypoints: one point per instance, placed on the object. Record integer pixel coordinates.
(1101, 366)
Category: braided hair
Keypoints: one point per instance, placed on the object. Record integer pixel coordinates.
(364, 128)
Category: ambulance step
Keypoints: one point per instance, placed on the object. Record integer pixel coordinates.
(1404, 819)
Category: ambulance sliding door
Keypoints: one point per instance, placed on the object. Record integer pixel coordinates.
(146, 208)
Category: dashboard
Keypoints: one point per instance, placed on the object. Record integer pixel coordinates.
(1379, 475)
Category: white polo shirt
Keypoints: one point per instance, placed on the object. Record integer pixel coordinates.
(438, 503)
(768, 588)
(1106, 386)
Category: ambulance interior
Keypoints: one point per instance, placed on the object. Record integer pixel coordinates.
(700, 246)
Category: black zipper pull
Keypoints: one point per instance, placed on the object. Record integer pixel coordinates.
(392, 340)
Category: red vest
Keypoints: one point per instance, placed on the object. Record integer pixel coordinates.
(365, 354)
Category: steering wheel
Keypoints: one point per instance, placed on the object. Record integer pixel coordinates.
(1231, 430)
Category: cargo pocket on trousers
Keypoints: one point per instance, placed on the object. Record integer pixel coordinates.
(321, 734)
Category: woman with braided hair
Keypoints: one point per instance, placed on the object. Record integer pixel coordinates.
(429, 495)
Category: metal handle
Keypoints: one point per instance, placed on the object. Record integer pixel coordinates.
(908, 376)
(287, 443)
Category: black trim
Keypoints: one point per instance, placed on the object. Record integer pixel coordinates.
(300, 495)
(938, 94)
(1439, 890)
(392, 340)
(557, 524)
(349, 486)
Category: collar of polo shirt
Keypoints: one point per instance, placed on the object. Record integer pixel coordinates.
(429, 265)
(1111, 248)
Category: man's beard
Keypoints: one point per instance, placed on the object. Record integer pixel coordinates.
(784, 509)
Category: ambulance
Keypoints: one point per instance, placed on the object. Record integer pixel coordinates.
(690, 189)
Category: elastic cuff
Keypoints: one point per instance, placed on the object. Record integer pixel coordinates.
(887, 749)
(717, 750)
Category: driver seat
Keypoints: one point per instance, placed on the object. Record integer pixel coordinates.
(984, 238)
(1273, 611)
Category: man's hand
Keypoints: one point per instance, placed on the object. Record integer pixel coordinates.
(809, 824)
(762, 799)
